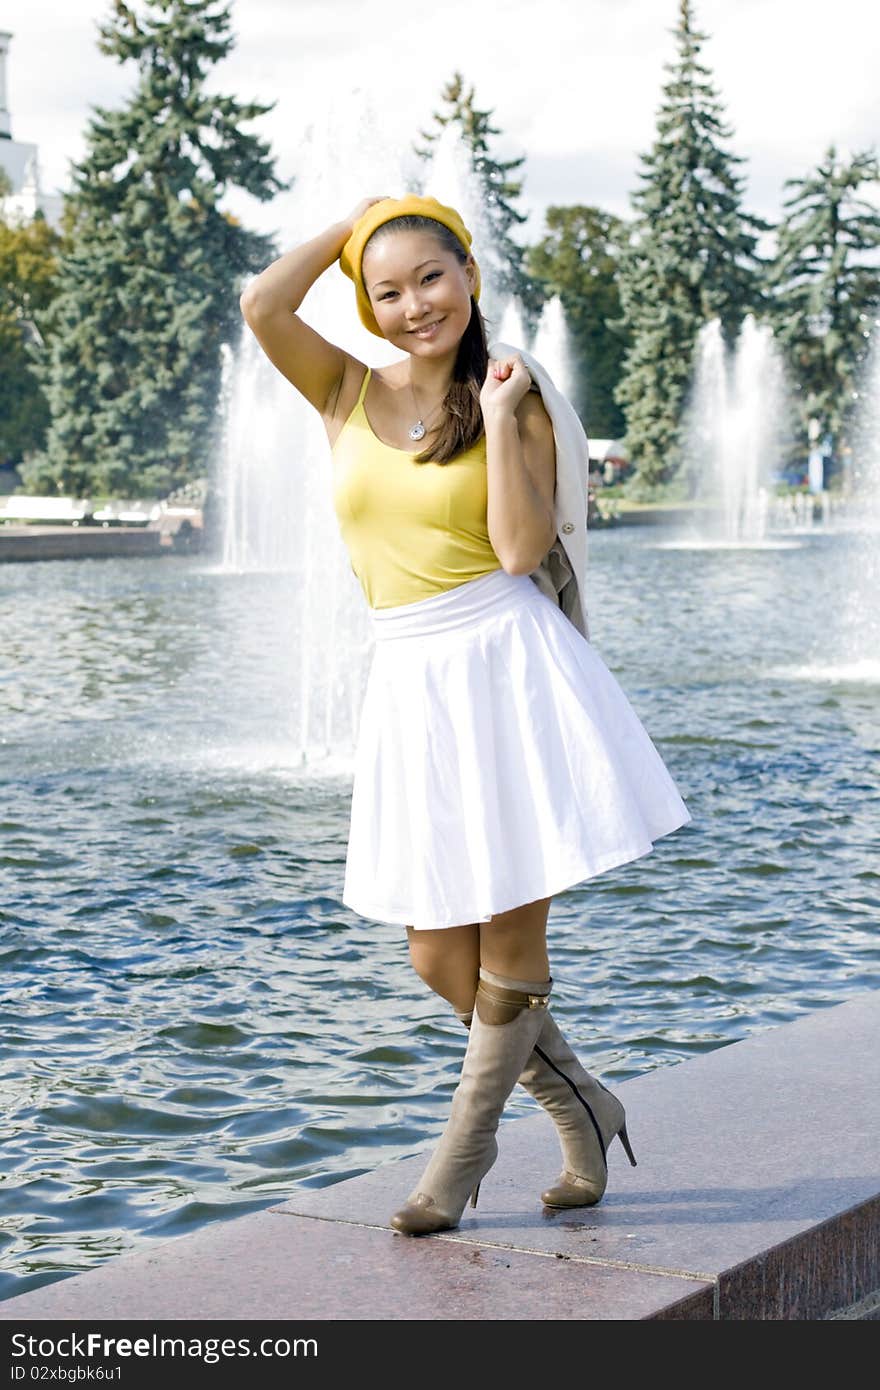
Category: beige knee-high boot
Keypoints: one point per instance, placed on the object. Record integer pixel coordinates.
(502, 1034)
(586, 1114)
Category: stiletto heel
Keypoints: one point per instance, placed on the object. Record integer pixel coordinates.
(624, 1139)
(586, 1114)
(475, 1194)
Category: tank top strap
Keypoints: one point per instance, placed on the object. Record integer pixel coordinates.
(364, 384)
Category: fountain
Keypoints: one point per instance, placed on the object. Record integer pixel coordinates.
(734, 431)
(513, 328)
(552, 347)
(859, 619)
(843, 650)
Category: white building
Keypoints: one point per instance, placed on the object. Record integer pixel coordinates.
(21, 166)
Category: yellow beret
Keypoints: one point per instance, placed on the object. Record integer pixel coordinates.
(383, 211)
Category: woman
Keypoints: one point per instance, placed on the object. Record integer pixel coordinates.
(498, 760)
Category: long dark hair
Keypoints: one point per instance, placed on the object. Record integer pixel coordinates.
(462, 417)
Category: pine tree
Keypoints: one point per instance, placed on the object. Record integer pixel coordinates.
(28, 270)
(691, 256)
(824, 295)
(149, 287)
(577, 260)
(506, 257)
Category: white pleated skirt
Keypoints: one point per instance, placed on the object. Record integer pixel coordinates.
(498, 761)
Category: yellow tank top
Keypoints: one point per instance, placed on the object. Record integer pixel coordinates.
(411, 529)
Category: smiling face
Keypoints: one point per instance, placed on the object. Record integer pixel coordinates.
(419, 291)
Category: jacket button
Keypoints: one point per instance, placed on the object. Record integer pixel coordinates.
(567, 526)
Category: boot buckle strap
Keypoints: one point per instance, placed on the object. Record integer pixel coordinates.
(494, 1004)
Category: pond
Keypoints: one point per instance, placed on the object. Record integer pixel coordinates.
(193, 1025)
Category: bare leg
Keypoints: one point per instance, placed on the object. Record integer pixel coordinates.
(448, 961)
(515, 943)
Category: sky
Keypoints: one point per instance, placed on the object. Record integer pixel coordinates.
(574, 85)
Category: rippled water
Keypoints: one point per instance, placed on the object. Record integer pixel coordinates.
(192, 1024)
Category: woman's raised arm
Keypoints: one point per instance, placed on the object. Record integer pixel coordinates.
(269, 304)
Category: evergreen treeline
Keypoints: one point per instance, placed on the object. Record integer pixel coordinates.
(110, 334)
(690, 257)
(821, 292)
(146, 289)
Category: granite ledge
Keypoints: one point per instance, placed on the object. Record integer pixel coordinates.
(756, 1196)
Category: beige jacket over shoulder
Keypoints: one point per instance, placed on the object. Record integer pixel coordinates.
(562, 574)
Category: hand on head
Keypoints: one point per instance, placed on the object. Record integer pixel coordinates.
(365, 203)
